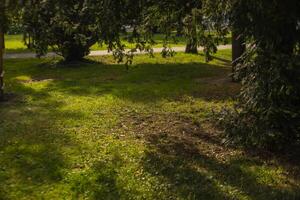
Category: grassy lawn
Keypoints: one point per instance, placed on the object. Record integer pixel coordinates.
(97, 131)
(15, 44)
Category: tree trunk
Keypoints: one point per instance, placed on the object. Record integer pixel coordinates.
(238, 49)
(74, 52)
(1, 65)
(191, 47)
(179, 29)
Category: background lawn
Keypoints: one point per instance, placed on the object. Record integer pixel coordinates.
(97, 131)
(15, 44)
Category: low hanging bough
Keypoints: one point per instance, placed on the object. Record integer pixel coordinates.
(268, 111)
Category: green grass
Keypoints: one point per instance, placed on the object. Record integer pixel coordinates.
(97, 131)
(15, 44)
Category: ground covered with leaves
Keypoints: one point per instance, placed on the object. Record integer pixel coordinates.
(98, 131)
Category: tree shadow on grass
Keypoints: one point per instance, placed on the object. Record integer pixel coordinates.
(146, 83)
(187, 161)
(225, 61)
(195, 165)
(31, 143)
(100, 181)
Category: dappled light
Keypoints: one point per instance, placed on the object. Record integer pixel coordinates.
(98, 131)
(149, 100)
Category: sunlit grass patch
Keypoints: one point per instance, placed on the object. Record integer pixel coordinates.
(15, 43)
(99, 131)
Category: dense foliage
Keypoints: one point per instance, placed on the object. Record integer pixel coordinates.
(268, 111)
(9, 12)
(71, 27)
(68, 27)
(192, 19)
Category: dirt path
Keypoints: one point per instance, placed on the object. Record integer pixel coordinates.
(99, 53)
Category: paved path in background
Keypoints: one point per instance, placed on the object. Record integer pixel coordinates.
(100, 53)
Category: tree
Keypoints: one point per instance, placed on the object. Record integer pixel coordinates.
(71, 27)
(268, 111)
(4, 5)
(191, 30)
(190, 20)
(190, 15)
(1, 64)
(68, 27)
(219, 12)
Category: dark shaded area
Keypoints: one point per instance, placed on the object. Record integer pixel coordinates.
(31, 157)
(18, 50)
(225, 61)
(195, 163)
(146, 83)
(100, 182)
